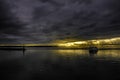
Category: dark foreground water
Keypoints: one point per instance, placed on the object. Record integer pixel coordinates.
(47, 64)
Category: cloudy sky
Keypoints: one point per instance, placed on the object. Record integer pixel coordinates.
(44, 21)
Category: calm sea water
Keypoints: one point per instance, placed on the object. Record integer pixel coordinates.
(42, 64)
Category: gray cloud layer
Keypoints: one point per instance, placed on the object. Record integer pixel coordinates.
(49, 20)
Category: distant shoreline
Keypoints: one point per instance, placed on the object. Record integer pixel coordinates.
(48, 47)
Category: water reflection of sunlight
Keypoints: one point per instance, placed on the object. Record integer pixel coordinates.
(102, 54)
(109, 53)
(71, 52)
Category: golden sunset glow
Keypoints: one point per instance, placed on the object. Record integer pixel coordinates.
(98, 42)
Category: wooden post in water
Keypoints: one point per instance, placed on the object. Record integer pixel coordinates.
(23, 49)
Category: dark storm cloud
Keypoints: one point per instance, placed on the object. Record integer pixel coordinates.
(9, 24)
(49, 20)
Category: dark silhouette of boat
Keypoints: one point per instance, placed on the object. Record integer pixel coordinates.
(93, 50)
